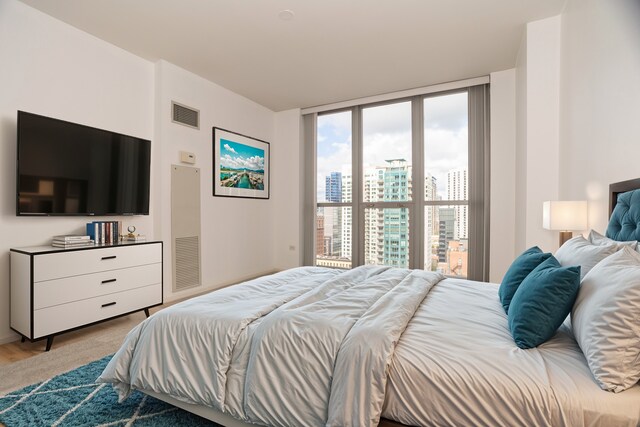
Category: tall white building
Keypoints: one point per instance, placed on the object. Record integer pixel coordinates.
(457, 189)
(431, 218)
(345, 251)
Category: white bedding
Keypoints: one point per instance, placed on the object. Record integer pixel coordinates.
(314, 346)
(457, 364)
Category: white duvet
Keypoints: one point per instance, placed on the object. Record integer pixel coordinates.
(305, 347)
(314, 346)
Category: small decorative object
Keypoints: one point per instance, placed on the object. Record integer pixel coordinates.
(240, 165)
(132, 237)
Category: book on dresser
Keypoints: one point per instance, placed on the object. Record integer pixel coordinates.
(55, 290)
(67, 245)
(71, 238)
(72, 241)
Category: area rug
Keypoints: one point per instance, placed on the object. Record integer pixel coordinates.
(73, 399)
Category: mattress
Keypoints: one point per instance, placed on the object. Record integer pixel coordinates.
(457, 364)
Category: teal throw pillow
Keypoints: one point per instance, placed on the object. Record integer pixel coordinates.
(542, 302)
(520, 268)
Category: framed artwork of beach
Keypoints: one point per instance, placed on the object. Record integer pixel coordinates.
(240, 165)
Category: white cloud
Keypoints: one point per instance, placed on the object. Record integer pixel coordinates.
(446, 111)
(253, 163)
(228, 148)
(385, 119)
(340, 120)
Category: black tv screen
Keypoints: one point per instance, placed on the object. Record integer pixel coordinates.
(70, 169)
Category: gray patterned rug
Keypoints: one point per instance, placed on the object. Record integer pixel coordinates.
(73, 399)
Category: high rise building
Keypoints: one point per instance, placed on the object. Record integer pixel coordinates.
(395, 230)
(333, 216)
(457, 189)
(319, 235)
(446, 234)
(333, 187)
(431, 229)
(373, 218)
(345, 215)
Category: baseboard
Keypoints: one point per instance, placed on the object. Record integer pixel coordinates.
(9, 338)
(190, 293)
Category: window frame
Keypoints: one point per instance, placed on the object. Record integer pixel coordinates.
(477, 180)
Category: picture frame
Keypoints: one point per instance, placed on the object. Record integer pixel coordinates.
(240, 165)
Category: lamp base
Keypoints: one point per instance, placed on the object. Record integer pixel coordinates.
(564, 236)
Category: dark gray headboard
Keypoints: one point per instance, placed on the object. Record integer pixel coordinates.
(621, 187)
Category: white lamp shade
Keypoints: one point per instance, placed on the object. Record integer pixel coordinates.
(564, 215)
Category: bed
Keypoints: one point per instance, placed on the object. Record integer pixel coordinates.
(315, 346)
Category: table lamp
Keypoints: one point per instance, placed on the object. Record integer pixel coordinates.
(564, 216)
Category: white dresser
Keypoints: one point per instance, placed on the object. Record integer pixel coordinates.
(56, 290)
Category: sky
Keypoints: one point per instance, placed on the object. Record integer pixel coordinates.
(387, 135)
(240, 156)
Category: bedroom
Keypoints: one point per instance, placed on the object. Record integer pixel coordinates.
(563, 125)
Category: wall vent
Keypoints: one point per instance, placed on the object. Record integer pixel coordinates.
(185, 227)
(184, 115)
(187, 262)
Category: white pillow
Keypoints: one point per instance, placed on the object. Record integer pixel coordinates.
(578, 251)
(598, 239)
(606, 320)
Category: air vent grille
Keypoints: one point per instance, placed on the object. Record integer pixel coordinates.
(184, 115)
(187, 262)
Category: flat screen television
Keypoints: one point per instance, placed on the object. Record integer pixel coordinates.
(69, 169)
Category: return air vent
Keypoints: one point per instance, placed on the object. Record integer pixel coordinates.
(187, 262)
(184, 115)
(185, 227)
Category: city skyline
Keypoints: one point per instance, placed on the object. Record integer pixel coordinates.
(386, 238)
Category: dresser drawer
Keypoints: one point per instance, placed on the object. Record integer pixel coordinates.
(51, 320)
(74, 263)
(76, 288)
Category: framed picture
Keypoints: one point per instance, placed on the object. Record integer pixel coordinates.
(240, 165)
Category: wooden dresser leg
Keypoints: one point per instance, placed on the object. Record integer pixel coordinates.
(23, 339)
(49, 342)
(146, 311)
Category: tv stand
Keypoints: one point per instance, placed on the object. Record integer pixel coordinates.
(54, 290)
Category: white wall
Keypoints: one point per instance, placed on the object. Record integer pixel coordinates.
(503, 157)
(520, 177)
(538, 131)
(238, 235)
(600, 105)
(53, 69)
(288, 185)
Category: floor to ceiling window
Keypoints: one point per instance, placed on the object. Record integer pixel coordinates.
(403, 183)
(333, 190)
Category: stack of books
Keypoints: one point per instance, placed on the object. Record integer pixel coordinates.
(71, 241)
(104, 232)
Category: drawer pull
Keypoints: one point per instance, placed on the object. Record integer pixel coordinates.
(109, 281)
(108, 257)
(108, 304)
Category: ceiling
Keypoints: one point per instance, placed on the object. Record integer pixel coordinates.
(332, 50)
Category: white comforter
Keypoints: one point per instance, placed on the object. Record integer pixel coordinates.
(457, 365)
(305, 347)
(314, 346)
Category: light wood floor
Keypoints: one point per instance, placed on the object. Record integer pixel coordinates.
(15, 351)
